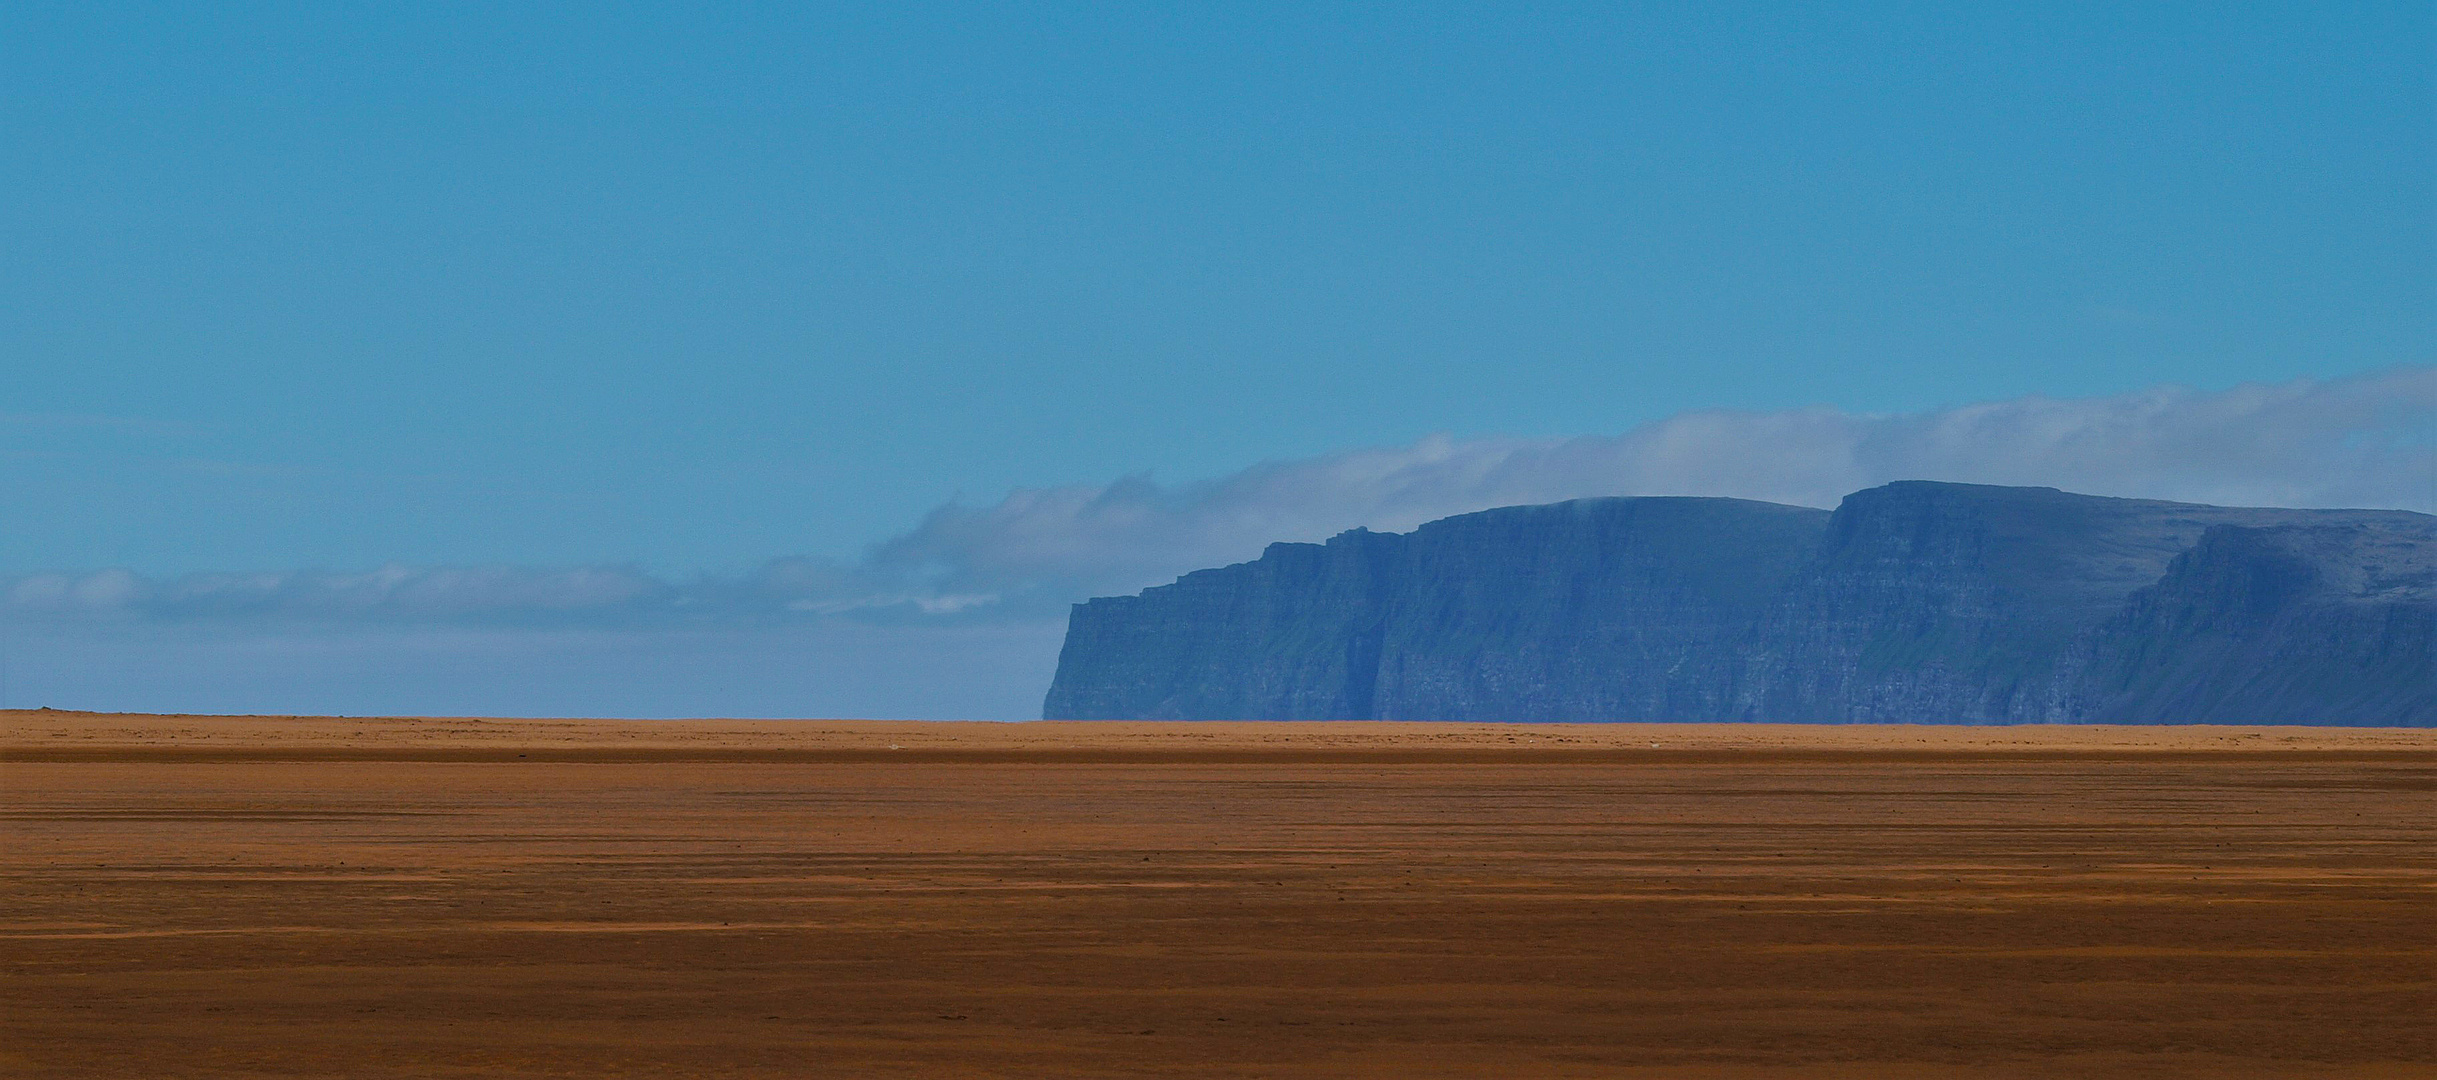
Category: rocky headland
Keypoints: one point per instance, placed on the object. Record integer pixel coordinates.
(1916, 602)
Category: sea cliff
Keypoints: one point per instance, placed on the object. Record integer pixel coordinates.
(1915, 602)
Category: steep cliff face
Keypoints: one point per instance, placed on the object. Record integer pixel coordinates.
(1917, 602)
(2332, 623)
(1294, 633)
(1578, 610)
(1965, 602)
(1585, 610)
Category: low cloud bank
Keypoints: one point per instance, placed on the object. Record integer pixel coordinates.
(960, 616)
(391, 591)
(992, 671)
(2366, 441)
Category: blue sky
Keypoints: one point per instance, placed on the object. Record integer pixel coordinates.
(321, 289)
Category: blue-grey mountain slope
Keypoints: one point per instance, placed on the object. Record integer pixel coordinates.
(1914, 602)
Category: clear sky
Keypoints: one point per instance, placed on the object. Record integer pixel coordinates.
(685, 288)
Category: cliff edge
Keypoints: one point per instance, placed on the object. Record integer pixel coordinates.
(1916, 602)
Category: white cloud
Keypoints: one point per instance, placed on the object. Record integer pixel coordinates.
(830, 668)
(391, 591)
(2364, 441)
(960, 616)
(2368, 441)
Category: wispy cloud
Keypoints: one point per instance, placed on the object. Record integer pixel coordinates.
(393, 592)
(2368, 441)
(2363, 441)
(960, 615)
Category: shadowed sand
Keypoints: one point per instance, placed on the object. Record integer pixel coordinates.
(313, 896)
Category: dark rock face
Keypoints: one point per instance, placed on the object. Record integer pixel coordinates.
(1914, 602)
(2315, 623)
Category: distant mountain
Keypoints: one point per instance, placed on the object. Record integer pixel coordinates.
(1916, 602)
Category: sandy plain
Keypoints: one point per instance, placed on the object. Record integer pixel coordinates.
(284, 896)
